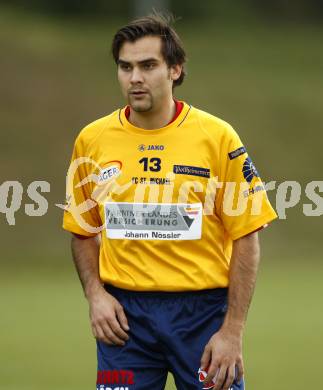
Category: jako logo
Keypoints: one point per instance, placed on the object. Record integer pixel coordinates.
(143, 147)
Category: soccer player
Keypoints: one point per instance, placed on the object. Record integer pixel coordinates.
(165, 206)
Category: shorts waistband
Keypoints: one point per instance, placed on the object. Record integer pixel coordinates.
(220, 292)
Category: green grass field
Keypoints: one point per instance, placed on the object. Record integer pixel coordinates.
(46, 341)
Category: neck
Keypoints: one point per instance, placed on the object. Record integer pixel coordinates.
(154, 119)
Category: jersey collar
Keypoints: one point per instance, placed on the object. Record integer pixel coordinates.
(175, 123)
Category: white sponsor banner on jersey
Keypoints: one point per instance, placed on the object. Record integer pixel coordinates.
(153, 221)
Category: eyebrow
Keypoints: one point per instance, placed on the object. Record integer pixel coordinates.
(142, 62)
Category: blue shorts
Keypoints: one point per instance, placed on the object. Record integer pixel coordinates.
(168, 333)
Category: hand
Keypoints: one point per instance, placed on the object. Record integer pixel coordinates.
(222, 355)
(108, 320)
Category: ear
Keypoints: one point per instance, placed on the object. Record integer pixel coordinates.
(175, 71)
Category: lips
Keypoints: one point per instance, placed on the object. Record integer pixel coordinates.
(137, 93)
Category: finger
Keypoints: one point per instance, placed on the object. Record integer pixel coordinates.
(206, 357)
(239, 371)
(212, 371)
(117, 330)
(230, 377)
(101, 337)
(219, 378)
(94, 331)
(110, 335)
(122, 318)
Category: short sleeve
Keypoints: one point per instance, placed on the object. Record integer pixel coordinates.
(241, 202)
(81, 214)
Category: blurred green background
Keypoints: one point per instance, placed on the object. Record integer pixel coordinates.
(256, 64)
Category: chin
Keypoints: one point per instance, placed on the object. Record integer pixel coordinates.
(140, 107)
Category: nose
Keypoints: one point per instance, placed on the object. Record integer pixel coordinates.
(136, 76)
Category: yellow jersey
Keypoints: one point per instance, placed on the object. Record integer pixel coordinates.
(167, 202)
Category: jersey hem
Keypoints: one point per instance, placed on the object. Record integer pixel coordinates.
(170, 289)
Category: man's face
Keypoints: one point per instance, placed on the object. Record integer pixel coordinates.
(145, 79)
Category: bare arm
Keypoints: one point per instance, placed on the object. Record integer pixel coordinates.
(223, 353)
(85, 251)
(108, 320)
(243, 273)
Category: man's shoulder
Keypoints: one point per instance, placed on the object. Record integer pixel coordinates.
(212, 124)
(92, 130)
(209, 119)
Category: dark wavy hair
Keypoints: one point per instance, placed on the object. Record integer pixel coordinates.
(156, 24)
